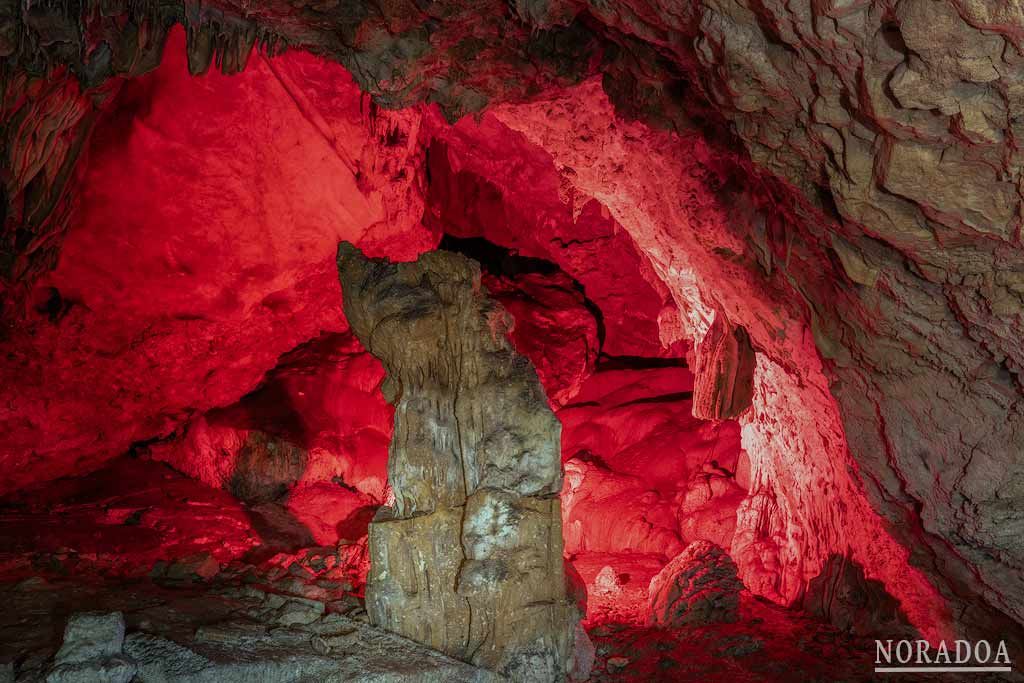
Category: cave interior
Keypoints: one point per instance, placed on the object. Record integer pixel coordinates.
(531, 341)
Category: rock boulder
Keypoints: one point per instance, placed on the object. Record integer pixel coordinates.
(92, 651)
(699, 586)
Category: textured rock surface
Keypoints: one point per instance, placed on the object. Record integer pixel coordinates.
(67, 60)
(121, 521)
(724, 364)
(92, 651)
(233, 634)
(641, 473)
(769, 643)
(183, 282)
(468, 559)
(610, 512)
(699, 586)
(313, 438)
(842, 596)
(138, 520)
(794, 419)
(879, 281)
(488, 181)
(913, 146)
(550, 314)
(642, 476)
(328, 648)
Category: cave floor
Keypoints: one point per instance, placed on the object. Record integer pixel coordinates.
(230, 629)
(219, 633)
(192, 568)
(768, 643)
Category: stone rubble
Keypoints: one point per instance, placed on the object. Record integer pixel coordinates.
(272, 639)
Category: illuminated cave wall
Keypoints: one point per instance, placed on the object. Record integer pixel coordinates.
(206, 211)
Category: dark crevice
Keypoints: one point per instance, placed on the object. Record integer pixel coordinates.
(606, 362)
(500, 261)
(495, 259)
(674, 397)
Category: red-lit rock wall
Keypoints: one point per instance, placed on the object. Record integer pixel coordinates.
(884, 397)
(219, 242)
(550, 314)
(805, 504)
(202, 250)
(314, 437)
(487, 182)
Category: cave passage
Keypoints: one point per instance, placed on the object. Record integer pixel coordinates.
(299, 387)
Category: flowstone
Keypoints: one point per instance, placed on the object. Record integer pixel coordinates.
(468, 560)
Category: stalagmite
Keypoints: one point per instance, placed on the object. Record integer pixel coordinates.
(468, 560)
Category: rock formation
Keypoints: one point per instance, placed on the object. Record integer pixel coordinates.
(249, 637)
(724, 372)
(842, 595)
(699, 586)
(839, 180)
(468, 559)
(93, 651)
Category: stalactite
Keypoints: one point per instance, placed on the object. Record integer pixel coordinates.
(724, 370)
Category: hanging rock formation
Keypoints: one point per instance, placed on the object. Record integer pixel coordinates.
(468, 560)
(724, 378)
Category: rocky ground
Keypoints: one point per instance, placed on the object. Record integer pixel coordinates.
(221, 632)
(767, 643)
(230, 630)
(214, 589)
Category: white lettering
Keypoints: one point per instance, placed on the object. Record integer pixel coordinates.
(883, 651)
(919, 656)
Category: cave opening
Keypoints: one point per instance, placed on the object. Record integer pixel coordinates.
(292, 373)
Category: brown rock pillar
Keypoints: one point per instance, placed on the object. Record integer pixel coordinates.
(468, 560)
